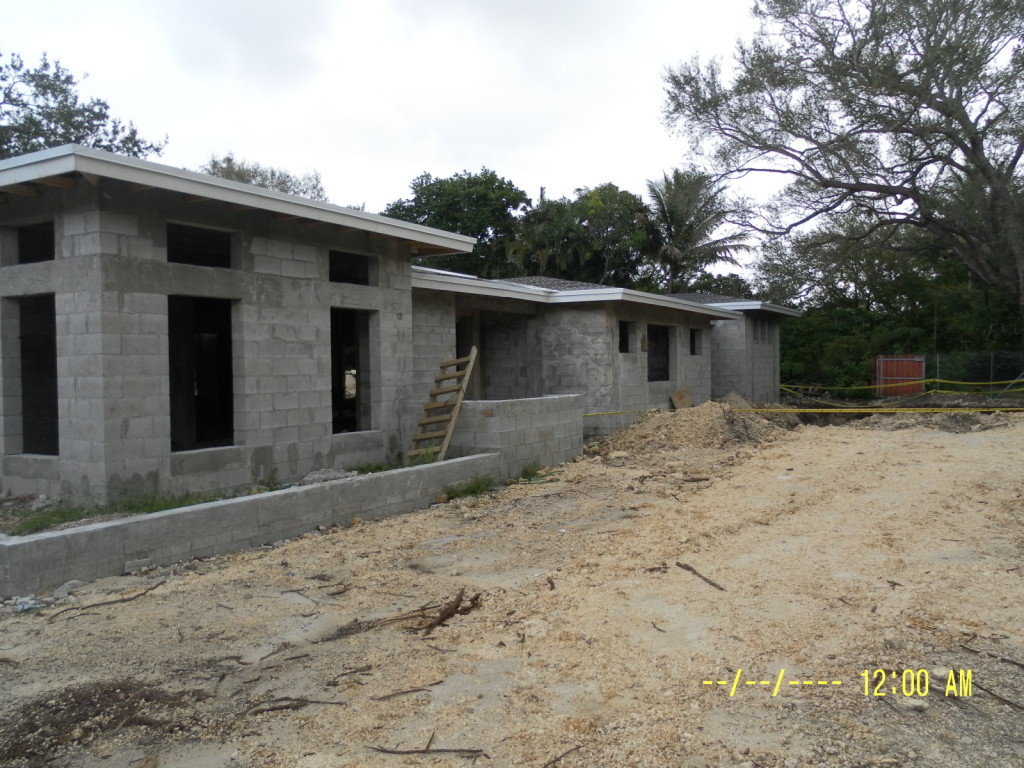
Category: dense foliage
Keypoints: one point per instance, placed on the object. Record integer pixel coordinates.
(482, 205)
(877, 294)
(603, 235)
(40, 108)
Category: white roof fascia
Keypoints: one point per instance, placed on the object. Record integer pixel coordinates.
(639, 297)
(438, 280)
(73, 158)
(452, 281)
(764, 306)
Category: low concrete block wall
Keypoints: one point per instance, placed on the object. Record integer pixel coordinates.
(29, 564)
(546, 430)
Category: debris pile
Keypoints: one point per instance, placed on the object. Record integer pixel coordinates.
(710, 425)
(80, 714)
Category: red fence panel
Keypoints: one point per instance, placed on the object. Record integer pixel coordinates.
(898, 375)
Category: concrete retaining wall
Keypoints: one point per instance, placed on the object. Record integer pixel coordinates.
(29, 564)
(546, 430)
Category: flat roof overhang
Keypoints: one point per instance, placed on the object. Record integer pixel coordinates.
(759, 306)
(55, 168)
(438, 280)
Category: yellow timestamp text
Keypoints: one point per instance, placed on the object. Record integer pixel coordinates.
(877, 682)
(915, 682)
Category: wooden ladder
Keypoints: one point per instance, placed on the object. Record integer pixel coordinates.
(441, 411)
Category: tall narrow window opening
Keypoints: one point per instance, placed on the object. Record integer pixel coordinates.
(463, 335)
(38, 322)
(696, 342)
(658, 353)
(625, 331)
(202, 392)
(350, 370)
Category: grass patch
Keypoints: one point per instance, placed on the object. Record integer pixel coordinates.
(24, 521)
(530, 471)
(429, 456)
(476, 486)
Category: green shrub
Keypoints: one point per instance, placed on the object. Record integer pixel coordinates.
(476, 486)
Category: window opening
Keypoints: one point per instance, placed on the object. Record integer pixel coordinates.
(696, 342)
(354, 268)
(658, 353)
(202, 392)
(625, 329)
(36, 243)
(38, 323)
(350, 374)
(463, 335)
(198, 246)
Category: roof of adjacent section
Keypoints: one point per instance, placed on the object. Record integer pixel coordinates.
(737, 304)
(23, 175)
(572, 293)
(554, 283)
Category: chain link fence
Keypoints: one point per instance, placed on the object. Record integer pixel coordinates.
(977, 367)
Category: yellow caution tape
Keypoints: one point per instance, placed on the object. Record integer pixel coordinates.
(878, 410)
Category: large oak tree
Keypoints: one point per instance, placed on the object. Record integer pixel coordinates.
(908, 112)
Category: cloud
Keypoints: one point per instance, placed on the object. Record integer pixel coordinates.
(256, 42)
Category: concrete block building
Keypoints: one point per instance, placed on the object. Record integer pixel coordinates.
(163, 331)
(622, 351)
(744, 352)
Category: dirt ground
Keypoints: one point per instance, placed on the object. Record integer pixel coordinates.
(705, 588)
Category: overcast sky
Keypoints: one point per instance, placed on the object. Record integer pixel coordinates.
(555, 93)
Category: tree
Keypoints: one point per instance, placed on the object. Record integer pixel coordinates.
(601, 236)
(883, 293)
(227, 167)
(41, 108)
(908, 111)
(482, 205)
(689, 211)
(731, 284)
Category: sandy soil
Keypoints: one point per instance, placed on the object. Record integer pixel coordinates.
(576, 637)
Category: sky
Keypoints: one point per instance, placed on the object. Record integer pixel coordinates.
(559, 94)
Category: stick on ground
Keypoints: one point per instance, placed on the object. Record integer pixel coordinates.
(552, 762)
(694, 571)
(128, 599)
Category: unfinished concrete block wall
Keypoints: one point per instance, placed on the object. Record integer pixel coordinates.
(696, 357)
(112, 284)
(542, 430)
(40, 561)
(433, 333)
(572, 353)
(730, 357)
(764, 358)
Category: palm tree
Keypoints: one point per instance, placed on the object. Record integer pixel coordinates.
(689, 212)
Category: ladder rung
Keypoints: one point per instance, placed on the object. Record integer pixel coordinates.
(435, 420)
(444, 391)
(430, 436)
(458, 361)
(446, 376)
